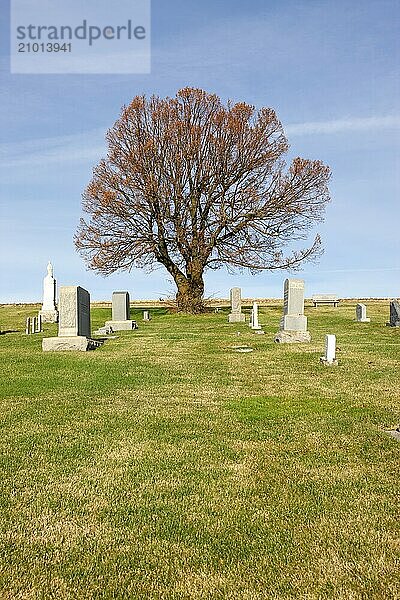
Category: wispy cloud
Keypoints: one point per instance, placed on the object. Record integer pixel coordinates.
(91, 145)
(375, 270)
(343, 125)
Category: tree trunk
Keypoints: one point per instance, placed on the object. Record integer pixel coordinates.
(189, 297)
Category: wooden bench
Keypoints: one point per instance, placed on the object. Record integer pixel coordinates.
(325, 299)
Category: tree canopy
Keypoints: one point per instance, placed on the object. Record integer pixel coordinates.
(193, 184)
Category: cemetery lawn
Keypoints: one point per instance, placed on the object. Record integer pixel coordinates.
(166, 465)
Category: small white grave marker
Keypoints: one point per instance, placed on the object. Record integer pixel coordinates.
(330, 350)
(254, 323)
(361, 313)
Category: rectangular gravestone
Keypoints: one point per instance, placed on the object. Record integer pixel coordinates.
(74, 321)
(361, 313)
(74, 309)
(293, 325)
(236, 316)
(394, 314)
(121, 313)
(120, 306)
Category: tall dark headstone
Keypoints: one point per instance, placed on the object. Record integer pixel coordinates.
(394, 314)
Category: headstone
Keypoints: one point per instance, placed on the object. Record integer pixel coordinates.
(330, 350)
(146, 315)
(33, 325)
(49, 312)
(361, 313)
(39, 323)
(121, 313)
(293, 325)
(74, 322)
(394, 314)
(254, 324)
(120, 306)
(236, 316)
(28, 326)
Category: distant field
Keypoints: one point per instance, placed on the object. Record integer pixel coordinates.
(211, 303)
(165, 465)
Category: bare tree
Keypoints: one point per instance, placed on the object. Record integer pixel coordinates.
(192, 185)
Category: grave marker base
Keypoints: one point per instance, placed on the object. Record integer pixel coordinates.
(328, 363)
(236, 318)
(49, 316)
(78, 343)
(121, 325)
(292, 337)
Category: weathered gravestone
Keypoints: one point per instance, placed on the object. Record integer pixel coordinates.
(74, 322)
(121, 313)
(146, 315)
(330, 351)
(293, 325)
(361, 313)
(394, 314)
(236, 316)
(49, 312)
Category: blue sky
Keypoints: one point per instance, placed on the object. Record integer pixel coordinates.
(329, 69)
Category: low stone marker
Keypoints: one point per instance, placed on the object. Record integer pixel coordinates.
(395, 433)
(33, 324)
(74, 322)
(28, 326)
(49, 312)
(121, 313)
(394, 314)
(293, 325)
(361, 313)
(236, 316)
(330, 351)
(146, 315)
(103, 331)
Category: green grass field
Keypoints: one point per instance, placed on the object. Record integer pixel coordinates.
(165, 465)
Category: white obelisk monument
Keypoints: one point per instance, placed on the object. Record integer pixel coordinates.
(49, 312)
